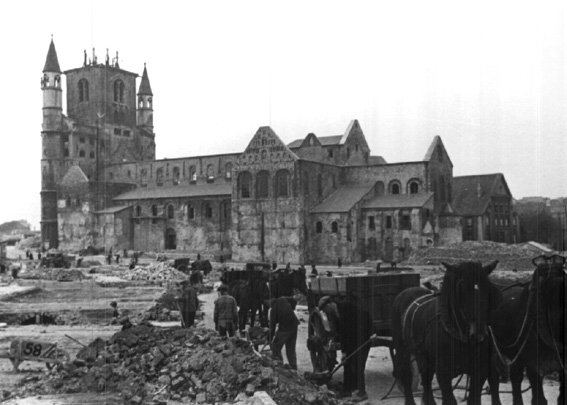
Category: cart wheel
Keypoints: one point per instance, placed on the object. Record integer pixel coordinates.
(317, 343)
(415, 376)
(62, 357)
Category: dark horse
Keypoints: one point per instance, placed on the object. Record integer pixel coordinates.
(283, 282)
(529, 331)
(445, 332)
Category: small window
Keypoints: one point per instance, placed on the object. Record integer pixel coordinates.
(208, 210)
(334, 227)
(193, 174)
(210, 173)
(138, 211)
(119, 90)
(413, 187)
(388, 222)
(319, 227)
(154, 210)
(228, 171)
(170, 212)
(190, 212)
(92, 155)
(330, 153)
(117, 131)
(126, 133)
(66, 152)
(129, 174)
(371, 222)
(244, 184)
(395, 188)
(405, 222)
(81, 153)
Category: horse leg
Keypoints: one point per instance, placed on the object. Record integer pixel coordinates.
(536, 381)
(561, 397)
(426, 382)
(402, 372)
(516, 378)
(445, 383)
(494, 384)
(475, 389)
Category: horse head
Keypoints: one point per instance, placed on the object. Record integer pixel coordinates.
(300, 280)
(467, 296)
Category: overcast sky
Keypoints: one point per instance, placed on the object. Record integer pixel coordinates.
(489, 78)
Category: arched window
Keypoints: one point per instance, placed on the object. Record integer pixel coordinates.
(83, 87)
(319, 227)
(150, 102)
(334, 227)
(159, 176)
(190, 212)
(154, 210)
(138, 211)
(210, 173)
(119, 89)
(413, 187)
(176, 175)
(228, 171)
(244, 185)
(140, 102)
(282, 179)
(395, 187)
(262, 184)
(193, 174)
(207, 210)
(170, 211)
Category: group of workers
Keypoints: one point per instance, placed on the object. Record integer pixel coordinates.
(352, 323)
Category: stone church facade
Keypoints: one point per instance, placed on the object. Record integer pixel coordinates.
(316, 199)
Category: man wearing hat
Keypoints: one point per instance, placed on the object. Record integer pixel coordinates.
(188, 304)
(226, 312)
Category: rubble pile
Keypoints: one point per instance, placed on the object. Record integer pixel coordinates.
(154, 365)
(510, 257)
(55, 274)
(165, 308)
(159, 271)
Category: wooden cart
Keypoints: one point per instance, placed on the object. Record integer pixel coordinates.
(374, 292)
(33, 350)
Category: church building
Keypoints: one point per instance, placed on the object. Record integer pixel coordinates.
(314, 200)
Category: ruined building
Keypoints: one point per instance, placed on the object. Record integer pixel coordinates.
(316, 199)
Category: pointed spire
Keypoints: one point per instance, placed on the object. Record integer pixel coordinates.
(51, 62)
(145, 88)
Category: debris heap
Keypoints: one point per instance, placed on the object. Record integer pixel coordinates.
(149, 364)
(55, 274)
(510, 257)
(159, 271)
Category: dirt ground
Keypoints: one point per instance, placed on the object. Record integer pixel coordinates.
(84, 305)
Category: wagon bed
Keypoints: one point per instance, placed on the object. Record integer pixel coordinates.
(373, 292)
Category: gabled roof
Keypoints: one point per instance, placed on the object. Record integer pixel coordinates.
(343, 199)
(73, 176)
(266, 145)
(324, 140)
(437, 143)
(113, 210)
(399, 201)
(145, 88)
(51, 62)
(472, 194)
(192, 190)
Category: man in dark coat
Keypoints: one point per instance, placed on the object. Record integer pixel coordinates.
(226, 313)
(283, 316)
(188, 304)
(354, 330)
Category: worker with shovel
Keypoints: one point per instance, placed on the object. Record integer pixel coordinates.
(188, 303)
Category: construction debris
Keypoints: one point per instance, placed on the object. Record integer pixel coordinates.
(147, 364)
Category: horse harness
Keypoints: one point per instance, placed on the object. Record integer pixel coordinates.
(411, 312)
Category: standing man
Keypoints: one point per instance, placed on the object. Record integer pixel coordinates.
(283, 316)
(188, 304)
(354, 330)
(226, 313)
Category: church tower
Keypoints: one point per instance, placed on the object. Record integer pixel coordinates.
(53, 139)
(145, 112)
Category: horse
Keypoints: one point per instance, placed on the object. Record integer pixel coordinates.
(251, 296)
(283, 282)
(446, 332)
(529, 331)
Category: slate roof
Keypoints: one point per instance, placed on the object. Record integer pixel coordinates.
(51, 62)
(191, 190)
(466, 199)
(112, 210)
(399, 201)
(343, 199)
(145, 87)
